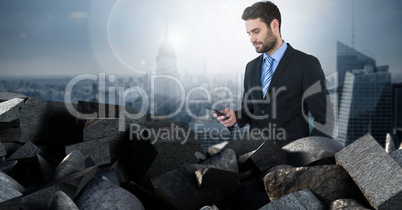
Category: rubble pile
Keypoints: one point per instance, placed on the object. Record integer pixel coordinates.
(50, 158)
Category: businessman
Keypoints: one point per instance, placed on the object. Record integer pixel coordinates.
(284, 88)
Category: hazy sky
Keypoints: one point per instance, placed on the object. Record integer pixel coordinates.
(48, 37)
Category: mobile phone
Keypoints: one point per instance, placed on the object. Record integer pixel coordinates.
(217, 112)
(230, 128)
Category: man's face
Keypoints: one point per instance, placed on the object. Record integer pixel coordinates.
(261, 36)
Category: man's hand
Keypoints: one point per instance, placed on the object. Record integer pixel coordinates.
(228, 119)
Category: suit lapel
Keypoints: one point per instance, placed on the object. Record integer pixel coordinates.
(281, 66)
(256, 80)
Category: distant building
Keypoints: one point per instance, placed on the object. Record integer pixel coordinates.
(365, 102)
(397, 111)
(167, 94)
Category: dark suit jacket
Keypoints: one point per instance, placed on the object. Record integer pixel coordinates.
(281, 115)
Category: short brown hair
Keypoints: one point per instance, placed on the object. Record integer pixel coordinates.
(265, 10)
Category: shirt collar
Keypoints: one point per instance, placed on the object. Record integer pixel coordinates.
(278, 54)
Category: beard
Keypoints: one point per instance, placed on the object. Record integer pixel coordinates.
(269, 43)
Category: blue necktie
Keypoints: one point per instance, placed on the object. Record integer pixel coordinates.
(266, 75)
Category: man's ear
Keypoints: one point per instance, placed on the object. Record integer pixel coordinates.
(275, 25)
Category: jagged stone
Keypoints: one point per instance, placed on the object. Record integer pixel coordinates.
(11, 147)
(40, 197)
(346, 204)
(12, 131)
(102, 194)
(243, 145)
(10, 110)
(378, 176)
(179, 190)
(5, 96)
(224, 160)
(397, 156)
(303, 200)
(27, 150)
(389, 144)
(32, 170)
(7, 165)
(32, 118)
(327, 182)
(143, 160)
(98, 150)
(12, 182)
(305, 151)
(212, 150)
(209, 208)
(9, 197)
(3, 151)
(265, 156)
(225, 181)
(106, 130)
(49, 123)
(61, 201)
(200, 156)
(72, 163)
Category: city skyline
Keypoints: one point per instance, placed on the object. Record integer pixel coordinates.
(78, 37)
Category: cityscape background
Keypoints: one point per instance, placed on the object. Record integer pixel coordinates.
(45, 44)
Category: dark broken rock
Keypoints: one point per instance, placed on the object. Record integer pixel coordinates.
(7, 165)
(346, 204)
(224, 160)
(97, 150)
(397, 156)
(303, 199)
(278, 167)
(244, 145)
(178, 189)
(308, 150)
(61, 201)
(225, 181)
(106, 130)
(27, 150)
(3, 151)
(32, 119)
(378, 176)
(5, 96)
(10, 110)
(389, 144)
(32, 170)
(212, 150)
(200, 156)
(143, 160)
(11, 132)
(327, 182)
(265, 156)
(7, 179)
(11, 147)
(42, 122)
(209, 208)
(40, 197)
(9, 197)
(101, 194)
(72, 163)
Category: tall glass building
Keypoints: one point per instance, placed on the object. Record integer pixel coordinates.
(365, 104)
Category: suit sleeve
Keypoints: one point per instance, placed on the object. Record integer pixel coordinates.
(316, 100)
(241, 115)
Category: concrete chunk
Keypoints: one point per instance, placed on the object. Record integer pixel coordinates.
(346, 204)
(10, 110)
(225, 181)
(102, 194)
(32, 119)
(27, 150)
(225, 160)
(305, 151)
(3, 151)
(389, 144)
(378, 176)
(97, 150)
(327, 182)
(61, 201)
(303, 200)
(9, 197)
(72, 163)
(397, 156)
(179, 189)
(266, 156)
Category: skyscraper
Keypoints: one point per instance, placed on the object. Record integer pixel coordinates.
(365, 104)
(166, 81)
